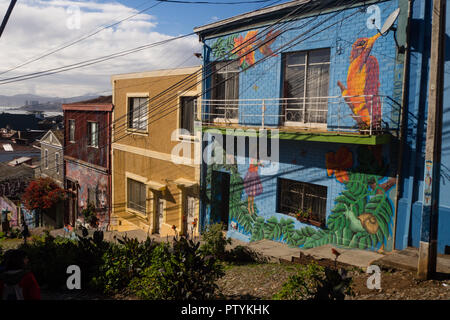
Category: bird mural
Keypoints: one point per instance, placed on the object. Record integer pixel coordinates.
(265, 46)
(361, 93)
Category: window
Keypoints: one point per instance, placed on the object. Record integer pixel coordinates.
(295, 196)
(57, 162)
(137, 113)
(46, 158)
(225, 86)
(305, 84)
(93, 134)
(136, 196)
(187, 105)
(72, 130)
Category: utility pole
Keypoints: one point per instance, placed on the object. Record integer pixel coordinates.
(428, 238)
(6, 18)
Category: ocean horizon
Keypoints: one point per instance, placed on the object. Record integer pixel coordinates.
(17, 110)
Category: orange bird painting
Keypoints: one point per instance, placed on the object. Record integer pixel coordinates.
(361, 93)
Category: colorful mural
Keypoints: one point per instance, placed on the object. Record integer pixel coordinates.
(89, 179)
(244, 47)
(362, 216)
(363, 84)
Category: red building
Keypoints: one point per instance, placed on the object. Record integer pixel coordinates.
(87, 155)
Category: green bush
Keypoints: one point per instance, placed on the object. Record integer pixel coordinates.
(122, 262)
(214, 241)
(50, 257)
(244, 255)
(178, 271)
(314, 282)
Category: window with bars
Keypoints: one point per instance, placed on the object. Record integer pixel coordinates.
(295, 196)
(225, 86)
(187, 105)
(305, 85)
(93, 134)
(136, 196)
(72, 130)
(138, 113)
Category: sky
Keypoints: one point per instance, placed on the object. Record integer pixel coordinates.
(38, 26)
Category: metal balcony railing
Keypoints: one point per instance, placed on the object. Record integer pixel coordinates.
(362, 114)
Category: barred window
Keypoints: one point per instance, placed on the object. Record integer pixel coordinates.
(136, 196)
(295, 196)
(137, 113)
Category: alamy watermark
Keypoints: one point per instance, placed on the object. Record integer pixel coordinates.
(73, 21)
(374, 281)
(233, 146)
(74, 280)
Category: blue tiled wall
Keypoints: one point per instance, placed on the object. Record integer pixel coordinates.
(264, 80)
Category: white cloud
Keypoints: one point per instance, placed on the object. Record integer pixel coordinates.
(39, 26)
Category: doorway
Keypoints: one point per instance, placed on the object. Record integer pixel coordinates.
(190, 226)
(159, 214)
(220, 198)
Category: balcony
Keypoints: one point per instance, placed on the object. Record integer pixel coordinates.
(361, 119)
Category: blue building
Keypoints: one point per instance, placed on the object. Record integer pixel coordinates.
(300, 119)
(410, 227)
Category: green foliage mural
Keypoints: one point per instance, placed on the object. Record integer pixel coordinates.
(361, 216)
(222, 48)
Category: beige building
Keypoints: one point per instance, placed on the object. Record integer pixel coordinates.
(155, 178)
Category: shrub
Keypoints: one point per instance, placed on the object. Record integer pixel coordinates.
(50, 257)
(314, 282)
(90, 215)
(214, 241)
(244, 255)
(122, 262)
(178, 271)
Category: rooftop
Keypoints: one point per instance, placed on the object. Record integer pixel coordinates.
(102, 103)
(274, 12)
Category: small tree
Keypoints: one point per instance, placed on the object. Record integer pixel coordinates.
(42, 194)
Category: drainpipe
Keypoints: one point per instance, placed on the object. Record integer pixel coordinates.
(108, 165)
(428, 237)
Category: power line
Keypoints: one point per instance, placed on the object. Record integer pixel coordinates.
(70, 44)
(197, 73)
(165, 91)
(89, 62)
(214, 2)
(7, 15)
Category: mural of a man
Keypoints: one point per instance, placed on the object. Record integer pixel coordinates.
(361, 93)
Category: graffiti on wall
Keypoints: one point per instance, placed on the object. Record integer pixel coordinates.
(362, 216)
(9, 212)
(363, 83)
(244, 47)
(93, 188)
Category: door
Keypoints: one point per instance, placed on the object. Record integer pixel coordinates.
(159, 216)
(220, 198)
(190, 225)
